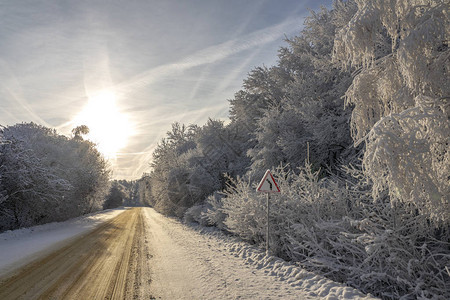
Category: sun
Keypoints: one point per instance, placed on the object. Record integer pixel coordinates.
(109, 128)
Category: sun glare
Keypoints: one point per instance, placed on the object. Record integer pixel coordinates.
(108, 127)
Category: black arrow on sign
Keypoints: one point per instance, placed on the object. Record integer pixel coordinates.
(270, 183)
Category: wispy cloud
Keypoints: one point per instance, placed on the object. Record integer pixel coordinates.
(233, 75)
(213, 54)
(12, 90)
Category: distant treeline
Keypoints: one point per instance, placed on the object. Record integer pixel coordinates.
(354, 122)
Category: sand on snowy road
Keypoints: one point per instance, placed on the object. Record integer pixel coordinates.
(106, 263)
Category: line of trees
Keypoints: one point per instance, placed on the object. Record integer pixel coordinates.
(122, 192)
(354, 122)
(46, 177)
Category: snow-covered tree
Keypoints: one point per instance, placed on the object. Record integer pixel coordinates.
(261, 89)
(115, 197)
(400, 96)
(169, 175)
(310, 110)
(190, 164)
(30, 185)
(48, 177)
(89, 174)
(80, 130)
(144, 190)
(130, 189)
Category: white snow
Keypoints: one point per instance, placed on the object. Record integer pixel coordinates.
(19, 247)
(194, 262)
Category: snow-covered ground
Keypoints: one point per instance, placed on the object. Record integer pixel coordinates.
(19, 247)
(203, 263)
(185, 262)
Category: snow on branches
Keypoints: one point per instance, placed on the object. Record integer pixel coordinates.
(408, 153)
(400, 97)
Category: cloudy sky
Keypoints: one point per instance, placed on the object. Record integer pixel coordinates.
(129, 69)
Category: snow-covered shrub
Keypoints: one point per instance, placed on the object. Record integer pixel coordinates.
(196, 214)
(306, 213)
(214, 212)
(304, 199)
(245, 210)
(335, 227)
(384, 248)
(209, 213)
(401, 254)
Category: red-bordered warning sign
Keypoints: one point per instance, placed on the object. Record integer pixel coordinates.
(268, 184)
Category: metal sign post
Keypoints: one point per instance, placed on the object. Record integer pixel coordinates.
(268, 224)
(268, 185)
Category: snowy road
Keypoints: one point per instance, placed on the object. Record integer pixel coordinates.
(106, 263)
(141, 254)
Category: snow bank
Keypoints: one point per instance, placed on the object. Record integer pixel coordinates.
(19, 247)
(313, 284)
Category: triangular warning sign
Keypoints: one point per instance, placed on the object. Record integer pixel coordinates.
(268, 184)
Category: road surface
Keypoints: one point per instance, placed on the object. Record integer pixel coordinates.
(106, 263)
